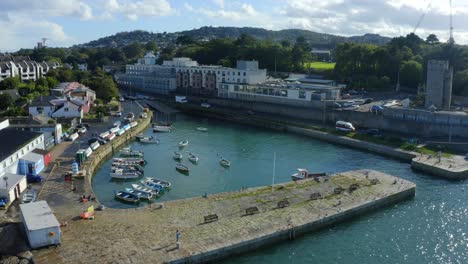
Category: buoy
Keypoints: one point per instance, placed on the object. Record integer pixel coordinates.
(51, 234)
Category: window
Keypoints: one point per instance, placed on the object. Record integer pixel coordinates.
(238, 73)
(11, 159)
(244, 73)
(65, 109)
(302, 94)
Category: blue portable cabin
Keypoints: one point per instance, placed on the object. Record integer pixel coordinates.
(31, 163)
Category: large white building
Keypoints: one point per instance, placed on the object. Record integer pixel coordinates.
(186, 75)
(24, 68)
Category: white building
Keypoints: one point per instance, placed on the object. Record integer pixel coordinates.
(15, 145)
(24, 68)
(40, 224)
(53, 107)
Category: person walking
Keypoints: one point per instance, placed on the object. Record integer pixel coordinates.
(177, 234)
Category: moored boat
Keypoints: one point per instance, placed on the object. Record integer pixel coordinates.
(224, 162)
(183, 143)
(132, 167)
(302, 174)
(124, 174)
(192, 157)
(149, 140)
(144, 189)
(177, 155)
(141, 195)
(202, 129)
(182, 169)
(163, 183)
(128, 152)
(129, 161)
(162, 129)
(152, 185)
(127, 197)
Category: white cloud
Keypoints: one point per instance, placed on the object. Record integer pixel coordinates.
(236, 13)
(135, 9)
(219, 3)
(50, 8)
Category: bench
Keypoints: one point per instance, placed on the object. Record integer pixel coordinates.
(211, 218)
(284, 203)
(353, 187)
(338, 190)
(251, 210)
(315, 196)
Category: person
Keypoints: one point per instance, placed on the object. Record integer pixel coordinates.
(89, 197)
(177, 234)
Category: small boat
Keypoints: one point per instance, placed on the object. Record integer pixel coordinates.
(128, 152)
(129, 161)
(224, 162)
(183, 143)
(139, 136)
(192, 157)
(133, 167)
(127, 197)
(164, 184)
(125, 174)
(152, 185)
(302, 174)
(177, 156)
(141, 195)
(202, 129)
(149, 140)
(29, 196)
(144, 189)
(182, 169)
(162, 129)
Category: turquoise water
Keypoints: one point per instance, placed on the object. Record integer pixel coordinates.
(431, 228)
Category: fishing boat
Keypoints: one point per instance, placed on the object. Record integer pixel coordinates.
(183, 143)
(192, 157)
(224, 162)
(182, 169)
(144, 189)
(163, 183)
(132, 167)
(149, 140)
(177, 155)
(127, 197)
(141, 195)
(302, 174)
(128, 152)
(162, 129)
(152, 185)
(139, 136)
(202, 129)
(124, 174)
(129, 161)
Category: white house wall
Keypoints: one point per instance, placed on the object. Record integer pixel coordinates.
(10, 164)
(72, 112)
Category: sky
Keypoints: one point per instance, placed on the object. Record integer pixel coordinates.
(67, 22)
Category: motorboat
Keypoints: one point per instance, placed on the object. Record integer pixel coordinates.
(141, 195)
(182, 169)
(29, 196)
(128, 152)
(192, 157)
(224, 162)
(183, 143)
(133, 167)
(129, 161)
(177, 156)
(149, 140)
(139, 136)
(144, 189)
(125, 174)
(302, 174)
(127, 197)
(152, 185)
(202, 129)
(163, 183)
(162, 128)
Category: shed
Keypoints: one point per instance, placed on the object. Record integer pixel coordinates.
(45, 154)
(12, 185)
(31, 163)
(40, 224)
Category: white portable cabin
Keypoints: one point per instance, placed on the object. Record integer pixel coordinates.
(40, 224)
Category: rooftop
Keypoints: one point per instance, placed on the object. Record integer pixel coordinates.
(13, 140)
(38, 215)
(11, 182)
(43, 101)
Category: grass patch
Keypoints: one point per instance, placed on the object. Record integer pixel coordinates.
(320, 66)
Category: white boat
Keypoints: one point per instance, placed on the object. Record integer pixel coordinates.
(114, 130)
(129, 161)
(144, 189)
(224, 162)
(183, 143)
(95, 145)
(177, 156)
(192, 157)
(163, 183)
(149, 140)
(202, 129)
(182, 168)
(302, 174)
(141, 195)
(162, 128)
(88, 152)
(128, 152)
(122, 174)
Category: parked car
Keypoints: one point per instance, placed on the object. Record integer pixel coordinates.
(206, 105)
(376, 109)
(29, 196)
(82, 130)
(3, 202)
(121, 99)
(118, 114)
(368, 101)
(31, 178)
(337, 105)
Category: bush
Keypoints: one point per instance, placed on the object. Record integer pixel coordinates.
(51, 121)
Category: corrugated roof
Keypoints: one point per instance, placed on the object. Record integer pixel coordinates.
(38, 215)
(32, 157)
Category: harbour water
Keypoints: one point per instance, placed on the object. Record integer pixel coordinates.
(431, 228)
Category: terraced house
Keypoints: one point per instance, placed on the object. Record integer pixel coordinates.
(24, 68)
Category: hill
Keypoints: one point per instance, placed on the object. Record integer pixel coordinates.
(317, 40)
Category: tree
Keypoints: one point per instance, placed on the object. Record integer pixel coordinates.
(5, 101)
(411, 74)
(134, 50)
(104, 87)
(432, 39)
(151, 46)
(10, 83)
(185, 40)
(460, 83)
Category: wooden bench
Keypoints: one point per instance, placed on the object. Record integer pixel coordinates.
(211, 218)
(315, 196)
(251, 210)
(353, 187)
(338, 190)
(284, 203)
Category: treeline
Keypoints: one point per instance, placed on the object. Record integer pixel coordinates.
(379, 67)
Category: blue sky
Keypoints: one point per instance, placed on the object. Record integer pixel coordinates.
(68, 22)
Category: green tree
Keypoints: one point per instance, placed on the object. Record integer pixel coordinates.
(432, 39)
(460, 83)
(5, 101)
(185, 40)
(151, 46)
(134, 50)
(10, 83)
(104, 87)
(411, 74)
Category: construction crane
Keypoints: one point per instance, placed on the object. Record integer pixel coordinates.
(43, 41)
(422, 16)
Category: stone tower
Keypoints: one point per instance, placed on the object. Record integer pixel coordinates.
(439, 84)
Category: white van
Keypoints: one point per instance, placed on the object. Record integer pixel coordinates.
(344, 126)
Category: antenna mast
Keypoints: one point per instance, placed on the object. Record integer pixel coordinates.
(451, 41)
